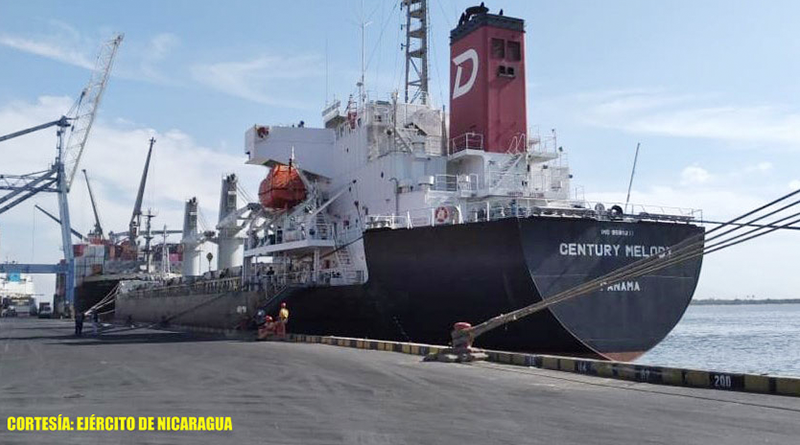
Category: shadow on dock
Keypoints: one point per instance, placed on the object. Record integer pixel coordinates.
(119, 335)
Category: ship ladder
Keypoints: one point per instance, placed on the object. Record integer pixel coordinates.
(345, 265)
(322, 227)
(503, 172)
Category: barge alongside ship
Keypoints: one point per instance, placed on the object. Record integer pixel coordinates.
(394, 221)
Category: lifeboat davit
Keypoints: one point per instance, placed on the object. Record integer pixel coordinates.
(282, 188)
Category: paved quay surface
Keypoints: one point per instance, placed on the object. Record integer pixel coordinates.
(286, 393)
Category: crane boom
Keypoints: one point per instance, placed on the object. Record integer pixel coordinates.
(62, 122)
(54, 218)
(136, 218)
(98, 228)
(86, 107)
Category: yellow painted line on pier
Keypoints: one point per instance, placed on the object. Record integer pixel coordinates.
(672, 376)
(504, 357)
(787, 386)
(756, 383)
(626, 372)
(604, 369)
(566, 364)
(697, 378)
(550, 363)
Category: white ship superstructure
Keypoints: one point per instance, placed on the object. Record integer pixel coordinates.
(16, 286)
(390, 164)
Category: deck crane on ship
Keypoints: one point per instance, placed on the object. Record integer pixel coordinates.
(96, 234)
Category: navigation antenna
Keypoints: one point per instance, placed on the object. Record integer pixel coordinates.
(633, 172)
(416, 47)
(362, 88)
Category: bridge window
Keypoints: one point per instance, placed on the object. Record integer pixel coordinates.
(498, 48)
(514, 51)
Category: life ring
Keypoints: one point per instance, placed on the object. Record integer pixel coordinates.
(442, 215)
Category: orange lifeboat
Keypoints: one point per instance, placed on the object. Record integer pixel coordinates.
(282, 188)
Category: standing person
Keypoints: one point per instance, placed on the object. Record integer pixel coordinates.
(270, 279)
(259, 283)
(283, 318)
(95, 321)
(78, 324)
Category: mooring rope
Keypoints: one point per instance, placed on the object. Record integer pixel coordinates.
(690, 248)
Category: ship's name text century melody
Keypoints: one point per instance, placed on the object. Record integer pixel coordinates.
(609, 250)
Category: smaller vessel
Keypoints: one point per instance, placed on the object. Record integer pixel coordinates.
(17, 294)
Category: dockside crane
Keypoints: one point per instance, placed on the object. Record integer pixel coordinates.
(97, 231)
(58, 178)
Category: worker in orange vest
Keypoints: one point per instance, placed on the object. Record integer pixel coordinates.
(267, 330)
(283, 318)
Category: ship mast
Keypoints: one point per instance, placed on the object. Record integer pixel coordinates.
(416, 47)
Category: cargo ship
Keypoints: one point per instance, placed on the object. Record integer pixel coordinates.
(394, 220)
(105, 260)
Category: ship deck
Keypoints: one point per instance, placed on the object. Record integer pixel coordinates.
(318, 394)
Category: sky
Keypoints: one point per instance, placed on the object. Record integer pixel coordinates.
(708, 88)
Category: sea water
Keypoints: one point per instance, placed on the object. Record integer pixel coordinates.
(753, 338)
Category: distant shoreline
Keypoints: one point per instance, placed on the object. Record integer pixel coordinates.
(714, 301)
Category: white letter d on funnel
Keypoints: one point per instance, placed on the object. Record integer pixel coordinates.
(458, 89)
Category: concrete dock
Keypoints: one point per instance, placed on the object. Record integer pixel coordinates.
(295, 393)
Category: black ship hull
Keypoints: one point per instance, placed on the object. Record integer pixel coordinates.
(90, 292)
(423, 280)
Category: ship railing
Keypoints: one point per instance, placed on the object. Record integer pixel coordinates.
(298, 232)
(502, 208)
(456, 183)
(494, 208)
(199, 287)
(339, 277)
(465, 141)
(541, 144)
(301, 232)
(386, 221)
(647, 211)
(324, 277)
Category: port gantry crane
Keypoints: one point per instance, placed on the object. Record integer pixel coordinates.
(58, 178)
